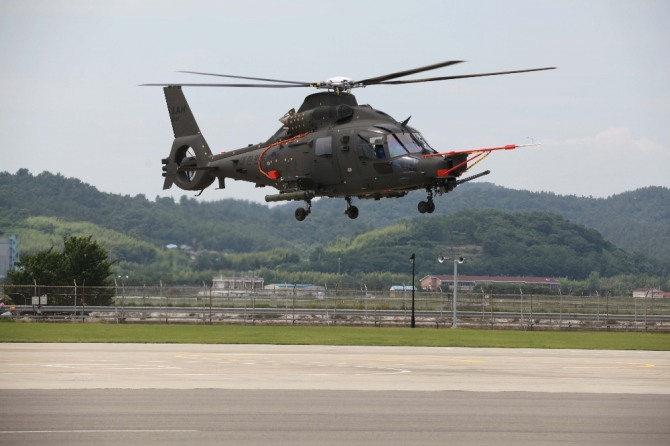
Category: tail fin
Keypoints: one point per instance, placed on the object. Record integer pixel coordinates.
(189, 149)
(183, 121)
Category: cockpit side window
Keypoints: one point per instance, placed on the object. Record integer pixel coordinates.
(380, 153)
(324, 147)
(370, 146)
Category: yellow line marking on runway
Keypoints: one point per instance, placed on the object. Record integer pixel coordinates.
(613, 366)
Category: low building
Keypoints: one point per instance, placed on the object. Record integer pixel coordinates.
(296, 288)
(468, 283)
(650, 293)
(237, 283)
(401, 290)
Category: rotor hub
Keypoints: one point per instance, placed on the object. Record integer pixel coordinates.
(338, 83)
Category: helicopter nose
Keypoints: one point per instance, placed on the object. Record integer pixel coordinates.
(452, 166)
(437, 166)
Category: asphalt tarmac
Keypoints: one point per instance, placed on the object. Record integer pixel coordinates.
(157, 394)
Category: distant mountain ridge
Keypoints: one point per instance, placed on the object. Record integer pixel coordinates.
(637, 221)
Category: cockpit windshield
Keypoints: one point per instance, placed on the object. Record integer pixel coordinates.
(423, 143)
(404, 143)
(376, 143)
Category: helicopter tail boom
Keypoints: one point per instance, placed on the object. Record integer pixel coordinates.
(187, 165)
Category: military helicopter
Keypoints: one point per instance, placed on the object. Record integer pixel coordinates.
(330, 147)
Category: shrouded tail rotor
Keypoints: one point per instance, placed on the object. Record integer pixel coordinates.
(187, 165)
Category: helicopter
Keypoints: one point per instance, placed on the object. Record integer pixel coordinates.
(330, 147)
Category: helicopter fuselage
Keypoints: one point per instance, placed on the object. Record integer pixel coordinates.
(339, 149)
(330, 147)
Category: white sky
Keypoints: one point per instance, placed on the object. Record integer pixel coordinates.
(70, 100)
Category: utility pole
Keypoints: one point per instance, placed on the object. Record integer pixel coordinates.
(413, 260)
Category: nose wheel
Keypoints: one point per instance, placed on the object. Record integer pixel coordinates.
(351, 211)
(427, 206)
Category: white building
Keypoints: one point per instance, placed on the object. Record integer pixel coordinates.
(237, 283)
(9, 255)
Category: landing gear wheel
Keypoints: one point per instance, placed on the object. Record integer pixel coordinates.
(300, 214)
(428, 205)
(352, 211)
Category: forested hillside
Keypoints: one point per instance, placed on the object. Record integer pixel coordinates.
(494, 242)
(637, 221)
(503, 232)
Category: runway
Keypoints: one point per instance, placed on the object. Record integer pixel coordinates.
(256, 394)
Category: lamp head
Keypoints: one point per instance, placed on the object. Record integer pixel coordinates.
(443, 259)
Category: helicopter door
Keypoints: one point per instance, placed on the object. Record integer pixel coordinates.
(326, 164)
(345, 151)
(370, 157)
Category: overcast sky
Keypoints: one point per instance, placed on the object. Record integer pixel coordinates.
(71, 102)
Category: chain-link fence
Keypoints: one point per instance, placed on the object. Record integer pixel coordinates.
(293, 306)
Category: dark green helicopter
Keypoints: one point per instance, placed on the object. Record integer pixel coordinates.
(330, 147)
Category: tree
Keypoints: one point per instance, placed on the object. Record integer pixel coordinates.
(86, 261)
(82, 263)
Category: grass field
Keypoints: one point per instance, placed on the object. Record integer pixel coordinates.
(420, 337)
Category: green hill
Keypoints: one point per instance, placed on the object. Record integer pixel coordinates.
(637, 221)
(503, 231)
(495, 242)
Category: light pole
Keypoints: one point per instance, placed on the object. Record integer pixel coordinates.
(123, 293)
(457, 260)
(413, 320)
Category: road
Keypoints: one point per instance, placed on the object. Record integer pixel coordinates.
(303, 395)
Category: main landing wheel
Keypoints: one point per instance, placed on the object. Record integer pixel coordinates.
(351, 211)
(301, 214)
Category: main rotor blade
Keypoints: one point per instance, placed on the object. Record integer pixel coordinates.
(304, 84)
(462, 76)
(228, 85)
(378, 80)
(385, 77)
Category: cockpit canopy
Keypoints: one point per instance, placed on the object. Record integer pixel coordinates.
(378, 143)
